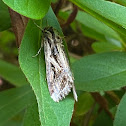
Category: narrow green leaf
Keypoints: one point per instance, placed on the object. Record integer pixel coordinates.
(105, 47)
(13, 101)
(120, 117)
(96, 25)
(4, 17)
(12, 74)
(35, 9)
(31, 117)
(50, 112)
(101, 9)
(100, 72)
(92, 33)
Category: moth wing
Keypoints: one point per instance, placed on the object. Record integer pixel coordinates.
(59, 77)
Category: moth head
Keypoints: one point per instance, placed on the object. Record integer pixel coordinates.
(50, 32)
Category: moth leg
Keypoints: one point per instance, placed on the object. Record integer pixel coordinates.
(39, 50)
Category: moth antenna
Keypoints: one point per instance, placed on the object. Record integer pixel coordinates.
(37, 25)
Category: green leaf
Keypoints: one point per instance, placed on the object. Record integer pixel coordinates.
(100, 72)
(50, 112)
(84, 104)
(103, 119)
(4, 17)
(13, 101)
(101, 9)
(105, 47)
(120, 117)
(35, 9)
(96, 25)
(12, 74)
(92, 33)
(31, 117)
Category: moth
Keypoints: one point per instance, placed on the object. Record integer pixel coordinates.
(59, 77)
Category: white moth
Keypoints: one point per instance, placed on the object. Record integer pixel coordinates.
(59, 76)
